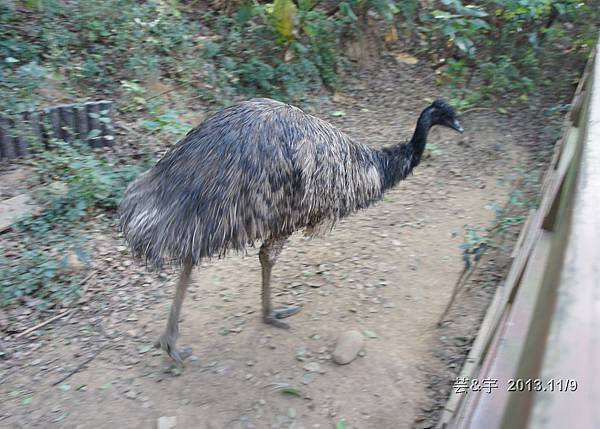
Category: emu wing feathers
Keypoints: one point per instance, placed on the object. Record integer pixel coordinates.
(255, 170)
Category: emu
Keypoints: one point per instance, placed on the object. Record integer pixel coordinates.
(258, 171)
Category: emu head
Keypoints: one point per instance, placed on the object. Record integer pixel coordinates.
(441, 113)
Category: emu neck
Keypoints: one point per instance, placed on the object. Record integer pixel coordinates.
(398, 161)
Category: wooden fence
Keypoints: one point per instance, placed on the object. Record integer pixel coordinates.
(88, 122)
(536, 360)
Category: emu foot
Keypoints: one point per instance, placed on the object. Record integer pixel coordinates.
(167, 343)
(281, 313)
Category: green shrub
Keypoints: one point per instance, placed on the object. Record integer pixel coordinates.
(503, 45)
(276, 50)
(88, 183)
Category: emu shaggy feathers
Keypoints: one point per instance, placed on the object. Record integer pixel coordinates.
(257, 170)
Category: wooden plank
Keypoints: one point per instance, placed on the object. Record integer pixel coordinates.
(551, 199)
(576, 110)
(55, 131)
(3, 139)
(520, 263)
(93, 113)
(511, 344)
(106, 124)
(81, 122)
(67, 122)
(582, 87)
(472, 398)
(523, 234)
(472, 363)
(14, 132)
(45, 128)
(25, 134)
(35, 127)
(8, 148)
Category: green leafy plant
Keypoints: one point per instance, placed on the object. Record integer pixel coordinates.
(85, 182)
(274, 50)
(168, 122)
(507, 220)
(502, 44)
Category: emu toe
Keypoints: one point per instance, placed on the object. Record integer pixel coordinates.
(281, 313)
(168, 345)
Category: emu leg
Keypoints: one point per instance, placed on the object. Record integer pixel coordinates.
(268, 254)
(168, 339)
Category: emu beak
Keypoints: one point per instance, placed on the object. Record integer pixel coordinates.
(455, 125)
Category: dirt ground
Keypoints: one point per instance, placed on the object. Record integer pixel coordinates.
(387, 271)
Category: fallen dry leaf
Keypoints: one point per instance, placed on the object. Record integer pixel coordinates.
(338, 97)
(391, 36)
(406, 58)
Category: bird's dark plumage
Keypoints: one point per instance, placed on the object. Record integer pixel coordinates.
(257, 170)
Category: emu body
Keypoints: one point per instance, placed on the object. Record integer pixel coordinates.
(259, 170)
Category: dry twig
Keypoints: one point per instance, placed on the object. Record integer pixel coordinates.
(42, 324)
(81, 365)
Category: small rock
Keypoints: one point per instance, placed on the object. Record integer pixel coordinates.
(176, 371)
(131, 394)
(427, 424)
(73, 262)
(313, 367)
(370, 334)
(308, 378)
(165, 422)
(301, 353)
(347, 347)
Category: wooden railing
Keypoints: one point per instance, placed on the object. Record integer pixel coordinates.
(536, 360)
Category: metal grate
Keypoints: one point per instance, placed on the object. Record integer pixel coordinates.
(87, 122)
